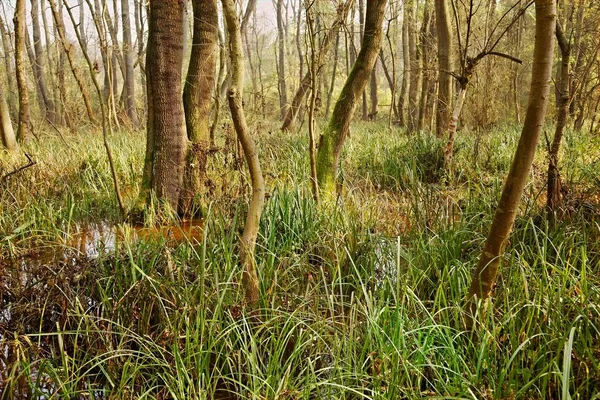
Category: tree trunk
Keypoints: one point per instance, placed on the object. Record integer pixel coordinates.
(7, 134)
(361, 22)
(38, 64)
(166, 142)
(373, 94)
(10, 70)
(425, 44)
(283, 102)
(20, 32)
(484, 276)
(333, 74)
(445, 52)
(563, 97)
(415, 69)
(128, 54)
(235, 95)
(197, 93)
(305, 84)
(334, 135)
(405, 86)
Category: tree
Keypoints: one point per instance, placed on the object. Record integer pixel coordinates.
(333, 137)
(197, 93)
(20, 32)
(282, 86)
(563, 97)
(128, 53)
(320, 58)
(484, 276)
(235, 96)
(444, 47)
(7, 134)
(166, 143)
(49, 108)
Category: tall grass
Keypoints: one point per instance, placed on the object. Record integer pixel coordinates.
(362, 300)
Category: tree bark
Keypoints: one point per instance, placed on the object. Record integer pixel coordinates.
(166, 142)
(563, 97)
(197, 94)
(415, 69)
(361, 27)
(7, 134)
(405, 85)
(128, 55)
(484, 276)
(20, 32)
(235, 95)
(283, 102)
(38, 65)
(445, 51)
(336, 132)
(10, 70)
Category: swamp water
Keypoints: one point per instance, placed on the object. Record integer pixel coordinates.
(35, 289)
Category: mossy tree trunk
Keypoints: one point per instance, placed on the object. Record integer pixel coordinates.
(166, 140)
(235, 96)
(197, 96)
(333, 137)
(484, 276)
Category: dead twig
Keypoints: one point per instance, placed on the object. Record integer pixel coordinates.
(31, 163)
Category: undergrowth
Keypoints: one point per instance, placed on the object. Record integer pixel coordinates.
(361, 300)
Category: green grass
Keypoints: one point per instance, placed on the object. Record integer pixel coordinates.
(360, 301)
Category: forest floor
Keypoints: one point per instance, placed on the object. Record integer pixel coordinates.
(359, 300)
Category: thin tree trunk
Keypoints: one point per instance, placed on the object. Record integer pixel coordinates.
(311, 108)
(336, 132)
(7, 134)
(361, 21)
(406, 63)
(373, 94)
(415, 69)
(105, 122)
(67, 47)
(444, 48)
(128, 54)
(563, 97)
(10, 70)
(235, 95)
(282, 85)
(484, 276)
(425, 41)
(38, 65)
(305, 84)
(333, 74)
(20, 31)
